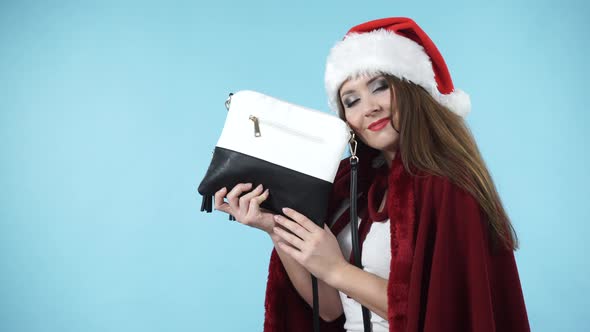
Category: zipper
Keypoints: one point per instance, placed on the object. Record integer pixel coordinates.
(256, 125)
(257, 133)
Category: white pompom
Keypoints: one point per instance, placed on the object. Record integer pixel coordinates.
(457, 101)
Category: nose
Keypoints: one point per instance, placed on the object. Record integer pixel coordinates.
(370, 107)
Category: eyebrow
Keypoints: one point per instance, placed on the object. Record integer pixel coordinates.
(352, 90)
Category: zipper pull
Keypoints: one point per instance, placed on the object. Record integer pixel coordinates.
(256, 126)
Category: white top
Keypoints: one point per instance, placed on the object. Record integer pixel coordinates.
(376, 257)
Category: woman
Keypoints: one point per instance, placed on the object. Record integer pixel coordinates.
(437, 245)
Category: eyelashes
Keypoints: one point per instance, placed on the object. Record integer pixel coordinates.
(381, 88)
(349, 104)
(381, 85)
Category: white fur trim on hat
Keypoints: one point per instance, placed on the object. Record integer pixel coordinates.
(383, 51)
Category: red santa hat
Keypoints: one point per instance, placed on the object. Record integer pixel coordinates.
(396, 46)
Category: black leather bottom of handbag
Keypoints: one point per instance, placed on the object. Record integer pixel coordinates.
(288, 188)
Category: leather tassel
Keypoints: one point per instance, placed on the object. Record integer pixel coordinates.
(207, 204)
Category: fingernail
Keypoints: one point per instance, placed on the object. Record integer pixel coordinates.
(285, 210)
(259, 186)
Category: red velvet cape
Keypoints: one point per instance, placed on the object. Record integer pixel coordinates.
(445, 274)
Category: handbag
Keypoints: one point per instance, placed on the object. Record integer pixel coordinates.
(291, 150)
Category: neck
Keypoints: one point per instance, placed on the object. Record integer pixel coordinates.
(389, 152)
(389, 155)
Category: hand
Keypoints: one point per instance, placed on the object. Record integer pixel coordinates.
(313, 247)
(246, 209)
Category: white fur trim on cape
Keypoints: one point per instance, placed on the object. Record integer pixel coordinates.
(383, 51)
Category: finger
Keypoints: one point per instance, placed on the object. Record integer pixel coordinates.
(294, 227)
(244, 201)
(288, 237)
(254, 208)
(294, 253)
(220, 203)
(301, 220)
(234, 195)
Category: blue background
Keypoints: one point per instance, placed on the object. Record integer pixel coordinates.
(109, 112)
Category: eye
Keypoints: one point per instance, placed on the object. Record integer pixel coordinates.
(381, 88)
(380, 85)
(350, 102)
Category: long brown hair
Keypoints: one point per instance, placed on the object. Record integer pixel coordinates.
(436, 141)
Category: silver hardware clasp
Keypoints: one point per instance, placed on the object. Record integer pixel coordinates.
(228, 101)
(352, 145)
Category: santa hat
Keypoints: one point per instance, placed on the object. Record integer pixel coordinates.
(395, 46)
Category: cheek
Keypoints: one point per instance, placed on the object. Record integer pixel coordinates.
(353, 120)
(385, 100)
(355, 123)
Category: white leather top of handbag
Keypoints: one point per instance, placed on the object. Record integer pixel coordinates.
(285, 134)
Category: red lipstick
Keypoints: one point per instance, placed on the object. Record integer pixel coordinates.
(379, 124)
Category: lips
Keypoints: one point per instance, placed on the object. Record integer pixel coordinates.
(379, 124)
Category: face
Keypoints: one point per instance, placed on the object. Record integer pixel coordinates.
(368, 111)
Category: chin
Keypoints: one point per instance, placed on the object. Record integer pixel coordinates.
(387, 139)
